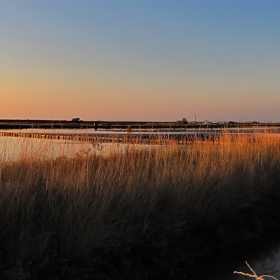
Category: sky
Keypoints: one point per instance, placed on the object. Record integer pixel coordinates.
(146, 60)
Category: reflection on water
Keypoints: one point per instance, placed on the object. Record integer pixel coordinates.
(12, 148)
(261, 131)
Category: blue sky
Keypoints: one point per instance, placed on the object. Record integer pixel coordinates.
(140, 60)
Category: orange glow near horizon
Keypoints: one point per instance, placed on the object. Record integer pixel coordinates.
(139, 60)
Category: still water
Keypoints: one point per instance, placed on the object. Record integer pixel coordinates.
(12, 148)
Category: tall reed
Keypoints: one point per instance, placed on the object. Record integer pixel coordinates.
(93, 212)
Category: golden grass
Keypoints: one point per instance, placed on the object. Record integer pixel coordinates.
(89, 210)
(254, 275)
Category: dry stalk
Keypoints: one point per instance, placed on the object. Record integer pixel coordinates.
(254, 275)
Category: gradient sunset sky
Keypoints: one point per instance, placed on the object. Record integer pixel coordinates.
(140, 60)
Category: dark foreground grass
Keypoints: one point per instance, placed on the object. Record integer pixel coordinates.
(133, 214)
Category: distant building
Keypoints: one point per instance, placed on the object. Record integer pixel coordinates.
(183, 121)
(252, 122)
(207, 123)
(76, 120)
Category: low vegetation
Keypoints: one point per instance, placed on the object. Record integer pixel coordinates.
(254, 275)
(135, 213)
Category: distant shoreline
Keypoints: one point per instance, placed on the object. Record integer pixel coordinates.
(80, 124)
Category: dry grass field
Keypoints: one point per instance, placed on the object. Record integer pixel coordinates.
(136, 212)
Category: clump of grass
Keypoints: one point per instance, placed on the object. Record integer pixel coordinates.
(135, 210)
(254, 275)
